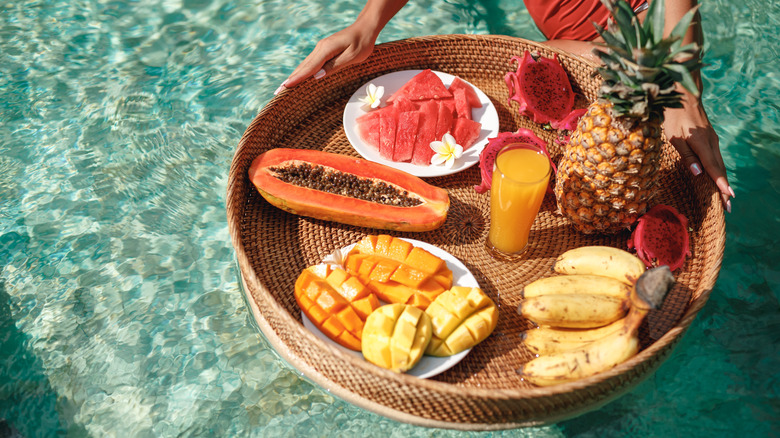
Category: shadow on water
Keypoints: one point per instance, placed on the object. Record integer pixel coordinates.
(28, 405)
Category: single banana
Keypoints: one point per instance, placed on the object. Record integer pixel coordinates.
(573, 310)
(548, 340)
(601, 260)
(577, 284)
(585, 361)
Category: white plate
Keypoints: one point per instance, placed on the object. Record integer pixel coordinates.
(486, 115)
(428, 366)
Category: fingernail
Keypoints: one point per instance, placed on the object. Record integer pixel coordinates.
(281, 87)
(731, 192)
(319, 74)
(728, 205)
(695, 169)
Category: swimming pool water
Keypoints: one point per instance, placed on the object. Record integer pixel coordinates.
(120, 311)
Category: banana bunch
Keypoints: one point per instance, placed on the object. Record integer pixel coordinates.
(589, 316)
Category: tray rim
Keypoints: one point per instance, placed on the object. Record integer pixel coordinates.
(652, 356)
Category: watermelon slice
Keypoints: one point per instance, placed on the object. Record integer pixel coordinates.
(406, 133)
(462, 106)
(424, 85)
(466, 131)
(387, 127)
(368, 130)
(403, 104)
(471, 95)
(426, 131)
(444, 121)
(368, 125)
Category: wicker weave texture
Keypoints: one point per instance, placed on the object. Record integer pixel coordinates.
(484, 391)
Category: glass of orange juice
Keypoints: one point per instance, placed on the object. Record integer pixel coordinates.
(520, 179)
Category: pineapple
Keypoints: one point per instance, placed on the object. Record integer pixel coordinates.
(610, 166)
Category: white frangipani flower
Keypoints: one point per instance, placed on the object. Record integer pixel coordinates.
(336, 258)
(446, 151)
(373, 97)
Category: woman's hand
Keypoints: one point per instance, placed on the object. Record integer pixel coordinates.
(690, 132)
(348, 46)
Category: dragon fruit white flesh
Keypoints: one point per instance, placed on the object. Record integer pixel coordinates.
(661, 237)
(542, 89)
(487, 157)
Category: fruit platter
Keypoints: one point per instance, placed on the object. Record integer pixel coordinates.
(281, 235)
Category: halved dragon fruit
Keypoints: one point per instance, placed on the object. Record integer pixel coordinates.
(487, 157)
(661, 237)
(541, 87)
(569, 122)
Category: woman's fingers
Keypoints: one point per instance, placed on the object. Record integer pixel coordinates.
(313, 66)
(335, 52)
(700, 151)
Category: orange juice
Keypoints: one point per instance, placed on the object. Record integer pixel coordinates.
(520, 180)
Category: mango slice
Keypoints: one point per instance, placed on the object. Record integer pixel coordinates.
(461, 317)
(395, 336)
(398, 272)
(336, 302)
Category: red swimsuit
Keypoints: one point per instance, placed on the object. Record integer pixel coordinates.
(570, 19)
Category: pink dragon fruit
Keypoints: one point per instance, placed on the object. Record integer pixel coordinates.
(569, 122)
(661, 237)
(541, 87)
(487, 157)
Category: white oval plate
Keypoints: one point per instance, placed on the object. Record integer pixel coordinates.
(428, 366)
(486, 115)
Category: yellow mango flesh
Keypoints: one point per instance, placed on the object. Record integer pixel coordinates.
(461, 318)
(395, 337)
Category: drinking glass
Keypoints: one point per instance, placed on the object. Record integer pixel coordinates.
(520, 178)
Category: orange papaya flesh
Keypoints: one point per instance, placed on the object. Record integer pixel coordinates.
(336, 302)
(299, 181)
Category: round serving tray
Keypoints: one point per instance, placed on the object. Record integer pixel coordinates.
(484, 391)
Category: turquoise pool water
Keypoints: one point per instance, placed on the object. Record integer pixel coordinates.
(120, 311)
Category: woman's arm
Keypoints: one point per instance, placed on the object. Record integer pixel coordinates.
(688, 128)
(348, 46)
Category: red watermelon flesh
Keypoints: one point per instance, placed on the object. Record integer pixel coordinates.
(466, 131)
(424, 85)
(426, 131)
(387, 128)
(462, 107)
(368, 129)
(406, 132)
(403, 104)
(449, 104)
(443, 122)
(471, 95)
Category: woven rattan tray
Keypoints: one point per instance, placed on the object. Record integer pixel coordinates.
(484, 391)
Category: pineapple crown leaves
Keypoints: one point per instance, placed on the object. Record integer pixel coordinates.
(641, 67)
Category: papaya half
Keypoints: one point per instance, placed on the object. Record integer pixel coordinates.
(348, 190)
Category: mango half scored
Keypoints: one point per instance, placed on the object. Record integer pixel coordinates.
(461, 317)
(398, 272)
(395, 336)
(336, 302)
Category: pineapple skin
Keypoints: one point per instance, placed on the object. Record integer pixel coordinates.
(609, 170)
